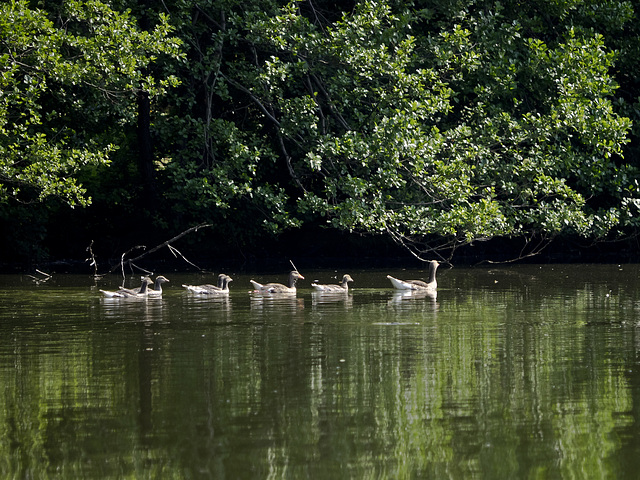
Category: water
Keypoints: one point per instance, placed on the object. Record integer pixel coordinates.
(511, 372)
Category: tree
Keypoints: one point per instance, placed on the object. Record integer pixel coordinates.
(486, 125)
(216, 161)
(436, 123)
(67, 76)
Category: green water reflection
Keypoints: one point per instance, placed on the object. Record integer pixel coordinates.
(519, 372)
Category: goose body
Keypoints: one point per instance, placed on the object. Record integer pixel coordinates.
(129, 293)
(432, 284)
(221, 289)
(294, 276)
(343, 287)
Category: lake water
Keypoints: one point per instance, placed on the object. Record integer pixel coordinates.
(511, 372)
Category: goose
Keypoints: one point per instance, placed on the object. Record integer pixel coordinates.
(341, 288)
(157, 287)
(129, 293)
(156, 291)
(294, 276)
(432, 284)
(221, 289)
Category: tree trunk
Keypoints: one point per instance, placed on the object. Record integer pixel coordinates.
(145, 149)
(145, 146)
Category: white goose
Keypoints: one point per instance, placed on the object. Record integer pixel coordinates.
(221, 289)
(432, 284)
(294, 276)
(341, 288)
(156, 291)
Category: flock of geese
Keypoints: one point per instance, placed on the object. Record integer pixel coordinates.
(149, 288)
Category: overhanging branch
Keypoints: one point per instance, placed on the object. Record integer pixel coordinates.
(158, 247)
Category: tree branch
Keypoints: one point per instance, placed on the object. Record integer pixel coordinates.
(158, 247)
(255, 99)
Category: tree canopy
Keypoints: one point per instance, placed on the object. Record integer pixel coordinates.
(62, 82)
(435, 123)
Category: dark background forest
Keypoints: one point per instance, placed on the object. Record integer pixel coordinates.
(448, 129)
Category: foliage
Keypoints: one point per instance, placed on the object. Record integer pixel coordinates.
(65, 78)
(476, 130)
(436, 123)
(216, 161)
